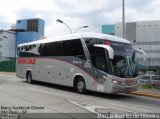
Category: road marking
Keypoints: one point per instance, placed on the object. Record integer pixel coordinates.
(93, 108)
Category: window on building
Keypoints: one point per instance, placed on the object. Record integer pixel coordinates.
(32, 25)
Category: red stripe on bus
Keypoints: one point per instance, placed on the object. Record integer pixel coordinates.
(31, 61)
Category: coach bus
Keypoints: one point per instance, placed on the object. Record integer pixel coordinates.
(84, 61)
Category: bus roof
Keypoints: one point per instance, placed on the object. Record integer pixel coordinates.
(77, 36)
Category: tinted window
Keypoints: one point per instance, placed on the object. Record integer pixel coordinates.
(94, 41)
(75, 49)
(117, 46)
(48, 49)
(100, 60)
(97, 55)
(64, 48)
(55, 49)
(90, 45)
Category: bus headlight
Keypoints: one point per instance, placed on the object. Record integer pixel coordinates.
(114, 81)
(119, 83)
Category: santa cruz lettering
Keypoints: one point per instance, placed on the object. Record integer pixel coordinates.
(26, 61)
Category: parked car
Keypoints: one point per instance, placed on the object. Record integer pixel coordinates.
(153, 78)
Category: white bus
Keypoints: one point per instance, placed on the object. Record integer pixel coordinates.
(84, 61)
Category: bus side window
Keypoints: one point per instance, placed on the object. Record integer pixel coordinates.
(63, 48)
(75, 49)
(100, 59)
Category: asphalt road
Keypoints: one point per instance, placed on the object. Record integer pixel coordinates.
(18, 96)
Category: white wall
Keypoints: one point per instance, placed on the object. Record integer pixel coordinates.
(7, 41)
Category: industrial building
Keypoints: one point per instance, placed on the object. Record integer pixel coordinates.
(144, 35)
(28, 30)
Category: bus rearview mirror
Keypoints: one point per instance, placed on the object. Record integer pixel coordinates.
(108, 48)
(142, 52)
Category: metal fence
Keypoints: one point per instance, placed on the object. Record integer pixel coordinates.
(7, 66)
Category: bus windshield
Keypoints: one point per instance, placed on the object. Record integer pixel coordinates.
(123, 64)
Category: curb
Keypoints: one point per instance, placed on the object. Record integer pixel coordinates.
(8, 73)
(145, 94)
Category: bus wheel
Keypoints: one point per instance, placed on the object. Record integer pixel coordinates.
(80, 86)
(29, 77)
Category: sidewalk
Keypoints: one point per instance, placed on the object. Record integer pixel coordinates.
(8, 73)
(152, 92)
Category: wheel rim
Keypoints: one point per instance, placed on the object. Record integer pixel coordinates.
(80, 86)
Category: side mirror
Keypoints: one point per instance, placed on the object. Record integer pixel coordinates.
(142, 52)
(108, 48)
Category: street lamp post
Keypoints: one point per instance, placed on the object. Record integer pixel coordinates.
(123, 18)
(134, 43)
(60, 21)
(149, 67)
(80, 28)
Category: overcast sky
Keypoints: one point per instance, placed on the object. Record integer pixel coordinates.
(76, 13)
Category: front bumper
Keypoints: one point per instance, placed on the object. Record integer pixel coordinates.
(124, 89)
(121, 85)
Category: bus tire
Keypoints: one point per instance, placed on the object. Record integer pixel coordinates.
(80, 86)
(29, 77)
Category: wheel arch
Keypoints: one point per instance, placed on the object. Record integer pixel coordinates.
(76, 77)
(28, 70)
